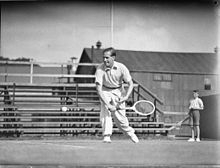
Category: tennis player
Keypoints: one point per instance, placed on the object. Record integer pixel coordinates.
(195, 105)
(109, 78)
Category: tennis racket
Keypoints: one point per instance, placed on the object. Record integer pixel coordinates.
(179, 124)
(141, 107)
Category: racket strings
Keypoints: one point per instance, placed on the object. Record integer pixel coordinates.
(144, 107)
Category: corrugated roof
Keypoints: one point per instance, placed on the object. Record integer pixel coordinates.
(161, 61)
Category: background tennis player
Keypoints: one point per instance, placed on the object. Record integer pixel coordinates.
(195, 106)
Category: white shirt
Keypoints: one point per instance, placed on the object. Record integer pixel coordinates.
(196, 104)
(112, 77)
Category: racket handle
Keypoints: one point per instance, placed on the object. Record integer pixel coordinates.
(119, 108)
(124, 108)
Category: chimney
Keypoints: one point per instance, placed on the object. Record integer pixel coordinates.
(216, 49)
(74, 66)
(98, 44)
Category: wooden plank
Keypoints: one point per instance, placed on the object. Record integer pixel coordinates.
(61, 117)
(52, 90)
(76, 129)
(46, 85)
(52, 112)
(51, 109)
(49, 117)
(52, 96)
(48, 75)
(73, 110)
(54, 101)
(49, 123)
(48, 106)
(78, 122)
(51, 85)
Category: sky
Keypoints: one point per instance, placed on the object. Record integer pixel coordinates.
(53, 31)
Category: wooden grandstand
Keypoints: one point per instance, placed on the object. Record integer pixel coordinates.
(36, 109)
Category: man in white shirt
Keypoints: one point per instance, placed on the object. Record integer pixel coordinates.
(110, 75)
(195, 105)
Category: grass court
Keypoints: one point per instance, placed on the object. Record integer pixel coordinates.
(66, 153)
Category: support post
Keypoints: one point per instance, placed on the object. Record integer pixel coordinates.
(155, 111)
(6, 71)
(31, 70)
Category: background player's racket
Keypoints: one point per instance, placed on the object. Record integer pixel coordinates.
(142, 107)
(179, 124)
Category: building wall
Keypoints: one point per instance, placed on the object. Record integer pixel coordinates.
(176, 93)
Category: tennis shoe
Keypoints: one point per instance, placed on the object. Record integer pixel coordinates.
(191, 140)
(107, 139)
(197, 139)
(134, 138)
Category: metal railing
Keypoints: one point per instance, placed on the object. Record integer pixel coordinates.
(141, 91)
(32, 64)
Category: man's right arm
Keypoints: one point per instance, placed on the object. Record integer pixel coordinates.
(101, 95)
(98, 82)
(103, 99)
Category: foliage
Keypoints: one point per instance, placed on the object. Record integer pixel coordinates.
(17, 59)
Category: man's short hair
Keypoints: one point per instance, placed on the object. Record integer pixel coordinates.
(195, 91)
(112, 51)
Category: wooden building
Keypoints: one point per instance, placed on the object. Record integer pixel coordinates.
(171, 76)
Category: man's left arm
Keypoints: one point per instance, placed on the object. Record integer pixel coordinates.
(201, 106)
(129, 90)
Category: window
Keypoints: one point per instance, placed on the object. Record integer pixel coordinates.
(162, 77)
(207, 84)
